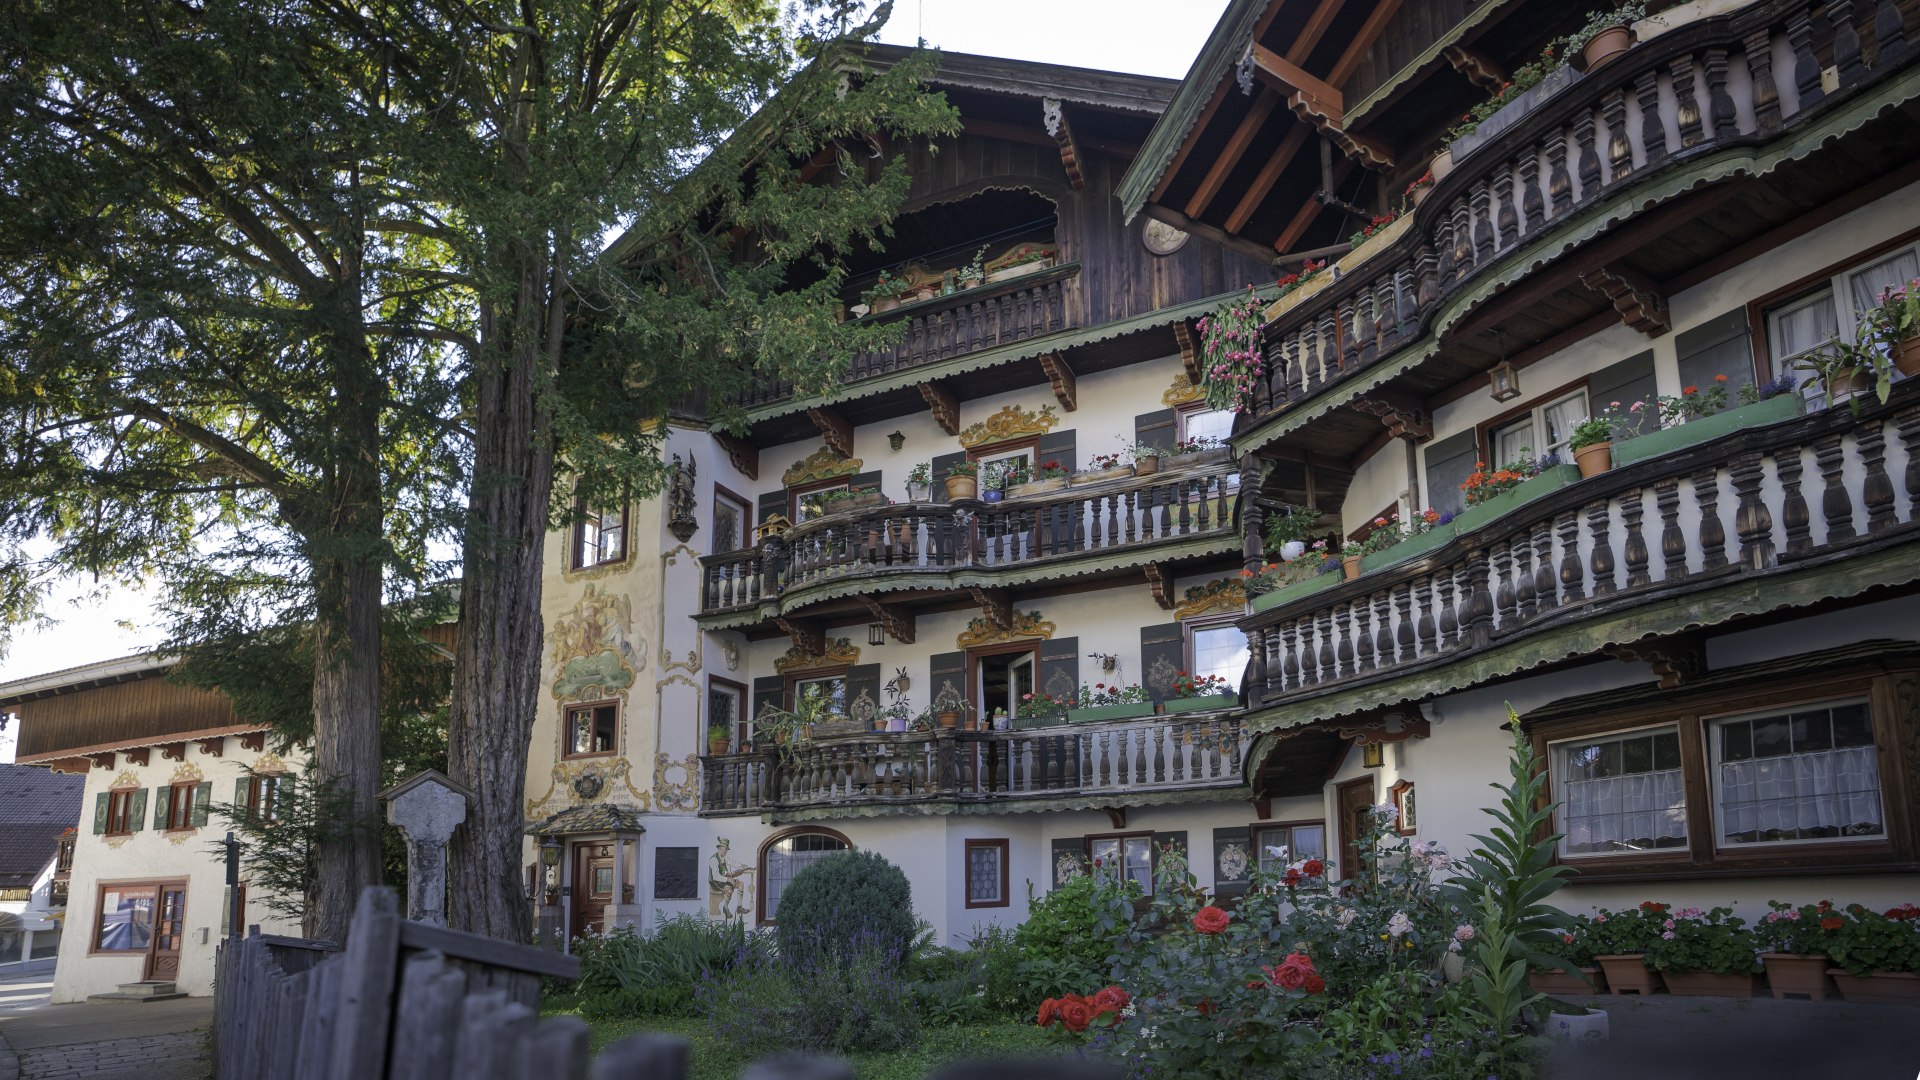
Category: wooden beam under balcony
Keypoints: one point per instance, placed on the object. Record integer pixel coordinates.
(1674, 659)
(1405, 417)
(1476, 66)
(1189, 344)
(1053, 113)
(995, 604)
(1061, 378)
(1293, 82)
(807, 635)
(255, 741)
(945, 409)
(214, 747)
(139, 755)
(1641, 302)
(102, 761)
(897, 622)
(1160, 582)
(743, 455)
(174, 751)
(834, 429)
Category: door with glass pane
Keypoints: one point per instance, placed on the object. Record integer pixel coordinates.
(169, 921)
(1004, 682)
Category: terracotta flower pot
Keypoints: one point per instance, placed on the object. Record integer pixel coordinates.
(1606, 45)
(1594, 459)
(1850, 382)
(1628, 973)
(1146, 466)
(949, 719)
(962, 487)
(1906, 356)
(1351, 563)
(1798, 973)
(1709, 984)
(1442, 164)
(716, 747)
(1420, 193)
(1591, 980)
(1879, 987)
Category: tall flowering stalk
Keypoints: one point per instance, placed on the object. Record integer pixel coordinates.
(1231, 364)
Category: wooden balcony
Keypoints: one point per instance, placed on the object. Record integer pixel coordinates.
(1536, 224)
(1107, 763)
(969, 321)
(950, 545)
(1804, 512)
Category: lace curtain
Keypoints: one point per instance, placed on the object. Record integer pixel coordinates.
(1636, 812)
(1821, 793)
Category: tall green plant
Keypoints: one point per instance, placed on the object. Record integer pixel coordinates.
(1498, 981)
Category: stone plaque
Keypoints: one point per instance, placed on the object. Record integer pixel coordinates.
(676, 873)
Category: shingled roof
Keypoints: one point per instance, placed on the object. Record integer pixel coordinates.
(36, 806)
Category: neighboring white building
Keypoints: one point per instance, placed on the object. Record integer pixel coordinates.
(147, 892)
(38, 810)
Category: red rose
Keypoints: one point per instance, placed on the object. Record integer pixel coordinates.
(1314, 868)
(1290, 977)
(1315, 984)
(1113, 997)
(1076, 1015)
(1292, 880)
(1049, 1012)
(1210, 920)
(1832, 922)
(1205, 1008)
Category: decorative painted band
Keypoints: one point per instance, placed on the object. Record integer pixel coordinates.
(1668, 439)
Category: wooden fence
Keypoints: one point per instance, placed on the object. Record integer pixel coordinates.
(408, 1001)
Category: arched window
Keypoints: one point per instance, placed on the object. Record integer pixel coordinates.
(788, 853)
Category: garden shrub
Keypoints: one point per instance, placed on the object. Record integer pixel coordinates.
(1071, 935)
(853, 1001)
(625, 973)
(854, 901)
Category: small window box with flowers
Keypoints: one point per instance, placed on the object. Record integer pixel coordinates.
(1620, 939)
(1577, 973)
(1695, 416)
(1046, 476)
(1876, 955)
(1375, 237)
(1793, 940)
(1298, 287)
(1382, 533)
(1197, 453)
(1103, 467)
(1197, 693)
(1493, 493)
(1110, 702)
(1429, 529)
(1282, 583)
(1041, 710)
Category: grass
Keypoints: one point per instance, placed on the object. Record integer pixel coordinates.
(937, 1047)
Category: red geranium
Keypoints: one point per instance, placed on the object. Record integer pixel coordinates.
(1205, 1007)
(1076, 1014)
(1656, 908)
(1903, 912)
(1832, 922)
(1210, 920)
(1314, 868)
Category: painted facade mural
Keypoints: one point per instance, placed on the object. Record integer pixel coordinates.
(729, 887)
(595, 651)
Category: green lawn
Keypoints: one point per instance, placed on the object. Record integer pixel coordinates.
(938, 1045)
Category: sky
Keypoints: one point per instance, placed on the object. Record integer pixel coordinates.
(1142, 37)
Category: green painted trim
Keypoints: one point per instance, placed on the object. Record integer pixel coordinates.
(1579, 229)
(1131, 711)
(1298, 589)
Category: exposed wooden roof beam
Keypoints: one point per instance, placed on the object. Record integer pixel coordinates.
(1199, 228)
(1269, 175)
(1180, 159)
(1308, 211)
(1053, 112)
(1290, 79)
(996, 605)
(1362, 41)
(1250, 125)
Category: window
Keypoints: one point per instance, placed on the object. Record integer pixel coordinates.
(1205, 424)
(592, 729)
(1021, 456)
(1003, 680)
(63, 860)
(1217, 650)
(1811, 774)
(600, 538)
(1280, 846)
(732, 522)
(804, 503)
(831, 687)
(1545, 428)
(120, 812)
(1814, 319)
(786, 856)
(1129, 856)
(1622, 793)
(125, 922)
(180, 806)
(727, 708)
(986, 873)
(263, 797)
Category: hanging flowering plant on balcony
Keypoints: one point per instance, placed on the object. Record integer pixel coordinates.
(1230, 362)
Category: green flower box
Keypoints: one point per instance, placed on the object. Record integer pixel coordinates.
(1198, 704)
(1499, 506)
(1668, 439)
(1029, 723)
(1298, 589)
(1109, 712)
(1411, 547)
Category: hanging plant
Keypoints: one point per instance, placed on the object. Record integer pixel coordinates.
(1230, 362)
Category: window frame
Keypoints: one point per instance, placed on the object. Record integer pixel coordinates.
(1086, 846)
(760, 863)
(1259, 848)
(1535, 412)
(567, 713)
(1184, 413)
(120, 810)
(722, 493)
(1555, 759)
(152, 887)
(743, 724)
(179, 810)
(976, 690)
(966, 870)
(1190, 657)
(1710, 726)
(1029, 446)
(1762, 309)
(793, 681)
(263, 790)
(578, 533)
(799, 492)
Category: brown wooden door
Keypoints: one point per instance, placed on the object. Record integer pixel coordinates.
(169, 922)
(592, 887)
(1355, 800)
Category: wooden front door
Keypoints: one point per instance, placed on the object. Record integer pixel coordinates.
(592, 886)
(169, 922)
(1355, 800)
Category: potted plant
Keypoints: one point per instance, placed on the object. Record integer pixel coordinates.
(1894, 322)
(717, 740)
(1289, 528)
(1608, 33)
(997, 476)
(1193, 453)
(1706, 954)
(920, 482)
(1351, 553)
(1146, 458)
(1103, 467)
(962, 480)
(971, 275)
(861, 497)
(1581, 975)
(1844, 370)
(884, 295)
(1620, 940)
(1041, 710)
(1592, 438)
(1106, 702)
(948, 706)
(1877, 956)
(1442, 162)
(1794, 949)
(1419, 189)
(1193, 693)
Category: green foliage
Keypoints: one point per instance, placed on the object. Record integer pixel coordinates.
(850, 902)
(1865, 941)
(1716, 941)
(1630, 930)
(279, 850)
(856, 1001)
(1499, 996)
(1067, 944)
(628, 974)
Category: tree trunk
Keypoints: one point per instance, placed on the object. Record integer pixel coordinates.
(346, 735)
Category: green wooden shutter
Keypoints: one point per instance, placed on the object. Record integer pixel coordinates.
(771, 503)
(1233, 860)
(202, 802)
(1626, 382)
(242, 788)
(1716, 347)
(1163, 654)
(944, 670)
(162, 805)
(1066, 861)
(137, 813)
(866, 479)
(863, 679)
(769, 690)
(1155, 429)
(100, 804)
(1059, 663)
(941, 464)
(1449, 463)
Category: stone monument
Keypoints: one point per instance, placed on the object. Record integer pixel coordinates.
(427, 808)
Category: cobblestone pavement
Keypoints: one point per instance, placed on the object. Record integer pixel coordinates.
(179, 1056)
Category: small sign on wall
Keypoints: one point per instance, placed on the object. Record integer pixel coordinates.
(676, 873)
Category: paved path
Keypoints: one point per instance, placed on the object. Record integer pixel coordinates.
(165, 1040)
(1686, 1038)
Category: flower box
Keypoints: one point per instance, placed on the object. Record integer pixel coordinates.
(1314, 287)
(1591, 980)
(1878, 988)
(1196, 460)
(1110, 712)
(1101, 476)
(1799, 974)
(1711, 984)
(1373, 245)
(1029, 723)
(1411, 547)
(1548, 482)
(1019, 270)
(1037, 487)
(1296, 590)
(1628, 973)
(1198, 704)
(1725, 422)
(1512, 112)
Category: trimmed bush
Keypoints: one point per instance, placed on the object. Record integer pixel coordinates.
(851, 903)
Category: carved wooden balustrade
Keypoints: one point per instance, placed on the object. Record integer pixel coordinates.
(1155, 753)
(1746, 509)
(937, 538)
(969, 321)
(1733, 80)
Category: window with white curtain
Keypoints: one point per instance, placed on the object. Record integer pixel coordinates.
(1124, 857)
(1809, 774)
(1624, 793)
(1544, 429)
(1813, 320)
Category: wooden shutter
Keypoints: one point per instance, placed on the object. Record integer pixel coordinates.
(1626, 382)
(101, 802)
(137, 811)
(1716, 347)
(863, 679)
(1056, 446)
(1067, 852)
(1156, 429)
(202, 802)
(1449, 463)
(947, 668)
(1059, 667)
(941, 464)
(1234, 846)
(769, 690)
(242, 790)
(1163, 654)
(773, 502)
(676, 873)
(162, 805)
(1162, 839)
(865, 479)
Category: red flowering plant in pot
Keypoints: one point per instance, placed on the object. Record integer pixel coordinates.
(1877, 954)
(1620, 940)
(1706, 953)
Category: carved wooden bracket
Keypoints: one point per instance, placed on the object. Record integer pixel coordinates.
(1054, 112)
(1117, 815)
(1061, 376)
(835, 431)
(1405, 417)
(946, 410)
(897, 622)
(1263, 808)
(174, 751)
(1675, 660)
(1189, 343)
(1160, 580)
(1641, 302)
(744, 457)
(995, 605)
(807, 634)
(255, 741)
(1384, 727)
(1481, 71)
(138, 755)
(102, 761)
(214, 747)
(1363, 151)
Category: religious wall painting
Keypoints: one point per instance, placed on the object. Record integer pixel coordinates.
(595, 650)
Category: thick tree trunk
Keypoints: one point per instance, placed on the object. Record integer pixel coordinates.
(346, 735)
(496, 679)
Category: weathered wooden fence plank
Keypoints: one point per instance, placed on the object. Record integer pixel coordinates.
(368, 966)
(644, 1057)
(798, 1068)
(316, 1024)
(428, 1016)
(557, 1047)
